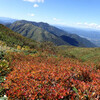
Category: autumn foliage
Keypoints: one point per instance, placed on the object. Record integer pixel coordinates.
(52, 78)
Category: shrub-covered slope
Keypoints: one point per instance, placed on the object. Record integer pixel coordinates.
(11, 38)
(51, 78)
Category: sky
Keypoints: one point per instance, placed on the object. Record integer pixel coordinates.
(77, 13)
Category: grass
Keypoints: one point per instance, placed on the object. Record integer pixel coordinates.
(83, 54)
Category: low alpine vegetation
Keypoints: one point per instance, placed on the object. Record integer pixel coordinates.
(53, 78)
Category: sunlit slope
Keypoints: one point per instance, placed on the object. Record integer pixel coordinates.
(12, 38)
(84, 54)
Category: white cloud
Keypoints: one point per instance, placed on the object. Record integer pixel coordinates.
(62, 24)
(88, 25)
(34, 1)
(55, 19)
(79, 23)
(59, 22)
(35, 5)
(32, 15)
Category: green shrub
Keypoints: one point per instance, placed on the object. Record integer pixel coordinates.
(2, 54)
(4, 70)
(4, 67)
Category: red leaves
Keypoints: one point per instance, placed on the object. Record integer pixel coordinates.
(52, 79)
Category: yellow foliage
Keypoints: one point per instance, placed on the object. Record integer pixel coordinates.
(35, 55)
(23, 48)
(18, 47)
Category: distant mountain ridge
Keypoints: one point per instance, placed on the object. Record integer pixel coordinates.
(5, 20)
(90, 34)
(33, 32)
(45, 32)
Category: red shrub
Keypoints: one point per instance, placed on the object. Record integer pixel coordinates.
(52, 79)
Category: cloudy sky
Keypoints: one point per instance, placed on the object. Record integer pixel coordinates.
(77, 13)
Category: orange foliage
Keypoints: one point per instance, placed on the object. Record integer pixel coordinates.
(52, 79)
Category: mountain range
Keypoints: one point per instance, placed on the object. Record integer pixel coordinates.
(5, 20)
(44, 32)
(92, 35)
(33, 32)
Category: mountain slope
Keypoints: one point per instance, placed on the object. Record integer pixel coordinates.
(36, 33)
(11, 38)
(46, 27)
(81, 40)
(59, 32)
(45, 32)
(70, 40)
(90, 34)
